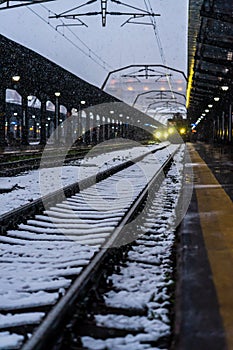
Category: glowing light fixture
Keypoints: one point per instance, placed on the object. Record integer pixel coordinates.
(171, 130)
(216, 99)
(16, 78)
(224, 87)
(207, 110)
(57, 94)
(182, 131)
(210, 106)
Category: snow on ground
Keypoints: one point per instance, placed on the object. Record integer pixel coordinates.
(9, 341)
(144, 280)
(36, 272)
(28, 184)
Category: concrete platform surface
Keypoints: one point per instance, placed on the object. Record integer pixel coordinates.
(204, 298)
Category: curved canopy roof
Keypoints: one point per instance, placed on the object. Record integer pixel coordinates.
(210, 52)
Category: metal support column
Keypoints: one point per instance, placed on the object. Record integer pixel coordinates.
(109, 128)
(57, 122)
(230, 124)
(2, 116)
(70, 125)
(25, 121)
(43, 121)
(87, 129)
(223, 126)
(103, 128)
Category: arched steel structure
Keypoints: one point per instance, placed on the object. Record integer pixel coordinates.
(146, 66)
(164, 103)
(156, 91)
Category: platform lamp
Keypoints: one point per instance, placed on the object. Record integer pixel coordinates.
(15, 78)
(82, 103)
(80, 123)
(57, 95)
(224, 87)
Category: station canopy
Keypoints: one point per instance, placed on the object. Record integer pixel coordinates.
(43, 78)
(210, 52)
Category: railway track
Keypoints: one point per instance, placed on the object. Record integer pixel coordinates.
(131, 306)
(12, 218)
(48, 261)
(14, 163)
(10, 167)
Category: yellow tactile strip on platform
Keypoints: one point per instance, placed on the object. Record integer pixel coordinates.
(216, 217)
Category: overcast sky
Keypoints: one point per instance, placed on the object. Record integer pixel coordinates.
(115, 45)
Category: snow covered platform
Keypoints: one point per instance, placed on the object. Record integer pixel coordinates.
(204, 317)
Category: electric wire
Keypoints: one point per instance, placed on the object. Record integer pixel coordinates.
(159, 43)
(90, 52)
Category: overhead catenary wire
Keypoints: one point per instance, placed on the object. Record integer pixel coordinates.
(159, 43)
(98, 60)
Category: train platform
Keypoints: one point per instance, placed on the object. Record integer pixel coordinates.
(204, 308)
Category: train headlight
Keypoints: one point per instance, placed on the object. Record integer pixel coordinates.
(158, 134)
(182, 131)
(171, 130)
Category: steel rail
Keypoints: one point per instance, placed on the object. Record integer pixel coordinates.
(52, 323)
(11, 219)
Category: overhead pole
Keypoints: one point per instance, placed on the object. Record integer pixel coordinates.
(135, 13)
(103, 12)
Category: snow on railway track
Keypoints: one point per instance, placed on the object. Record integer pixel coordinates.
(25, 188)
(136, 311)
(41, 258)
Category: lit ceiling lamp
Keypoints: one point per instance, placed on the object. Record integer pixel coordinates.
(210, 106)
(207, 110)
(224, 87)
(216, 99)
(16, 78)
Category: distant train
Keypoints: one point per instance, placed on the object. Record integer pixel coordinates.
(178, 128)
